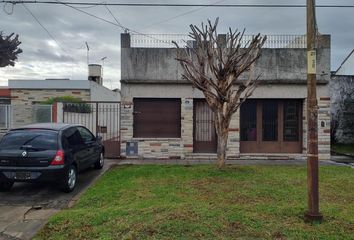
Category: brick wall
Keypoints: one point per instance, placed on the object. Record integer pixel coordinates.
(23, 99)
(28, 96)
(157, 148)
(324, 128)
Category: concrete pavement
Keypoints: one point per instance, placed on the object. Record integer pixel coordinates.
(228, 162)
(27, 207)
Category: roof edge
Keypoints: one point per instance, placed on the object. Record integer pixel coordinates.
(290, 81)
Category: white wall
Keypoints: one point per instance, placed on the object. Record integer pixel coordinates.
(101, 93)
(49, 84)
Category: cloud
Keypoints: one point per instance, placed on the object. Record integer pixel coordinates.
(66, 56)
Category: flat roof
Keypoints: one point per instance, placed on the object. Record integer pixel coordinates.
(48, 84)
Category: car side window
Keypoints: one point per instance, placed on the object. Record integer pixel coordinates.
(71, 137)
(86, 134)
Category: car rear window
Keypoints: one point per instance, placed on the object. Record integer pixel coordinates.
(36, 140)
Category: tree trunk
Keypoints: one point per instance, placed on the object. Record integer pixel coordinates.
(223, 133)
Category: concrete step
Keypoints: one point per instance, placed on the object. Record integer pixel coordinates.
(342, 159)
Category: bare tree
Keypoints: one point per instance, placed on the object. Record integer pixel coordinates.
(9, 49)
(214, 66)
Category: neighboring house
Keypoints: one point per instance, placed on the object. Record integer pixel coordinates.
(342, 101)
(163, 116)
(30, 92)
(27, 96)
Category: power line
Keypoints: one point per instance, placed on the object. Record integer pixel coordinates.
(108, 21)
(124, 28)
(177, 4)
(180, 15)
(84, 12)
(44, 28)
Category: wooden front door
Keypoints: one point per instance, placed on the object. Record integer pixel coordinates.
(204, 135)
(271, 126)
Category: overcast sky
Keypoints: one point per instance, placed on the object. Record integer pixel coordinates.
(43, 58)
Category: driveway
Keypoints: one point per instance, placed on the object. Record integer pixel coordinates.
(26, 208)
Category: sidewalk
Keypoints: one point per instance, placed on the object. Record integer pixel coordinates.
(228, 162)
(26, 208)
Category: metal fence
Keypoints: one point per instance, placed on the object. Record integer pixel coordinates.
(183, 40)
(102, 118)
(5, 113)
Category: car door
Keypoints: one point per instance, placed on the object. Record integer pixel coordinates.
(91, 144)
(75, 148)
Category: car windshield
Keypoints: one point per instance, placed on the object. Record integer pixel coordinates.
(31, 140)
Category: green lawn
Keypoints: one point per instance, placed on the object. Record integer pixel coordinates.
(343, 148)
(201, 202)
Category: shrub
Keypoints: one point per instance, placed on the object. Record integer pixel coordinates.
(71, 104)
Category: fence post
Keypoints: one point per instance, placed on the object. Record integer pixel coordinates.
(60, 112)
(55, 112)
(9, 116)
(96, 119)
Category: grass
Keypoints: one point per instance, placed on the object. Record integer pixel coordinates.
(343, 148)
(201, 202)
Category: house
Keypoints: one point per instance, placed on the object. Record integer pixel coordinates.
(30, 92)
(27, 96)
(5, 100)
(164, 117)
(342, 101)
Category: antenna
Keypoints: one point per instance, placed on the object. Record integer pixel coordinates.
(102, 59)
(88, 49)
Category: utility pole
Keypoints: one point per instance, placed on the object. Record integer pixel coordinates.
(313, 212)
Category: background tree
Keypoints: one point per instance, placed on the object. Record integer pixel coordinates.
(214, 66)
(342, 110)
(9, 49)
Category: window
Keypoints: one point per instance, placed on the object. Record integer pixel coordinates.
(86, 135)
(72, 138)
(291, 121)
(270, 120)
(249, 121)
(271, 126)
(38, 140)
(157, 117)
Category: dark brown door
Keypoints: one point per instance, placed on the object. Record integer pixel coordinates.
(271, 126)
(204, 139)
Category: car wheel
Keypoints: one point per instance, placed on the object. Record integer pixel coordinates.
(100, 162)
(69, 182)
(6, 186)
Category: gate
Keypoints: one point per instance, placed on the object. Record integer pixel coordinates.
(204, 139)
(102, 118)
